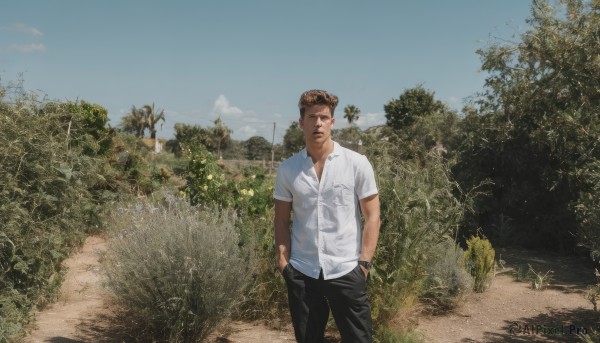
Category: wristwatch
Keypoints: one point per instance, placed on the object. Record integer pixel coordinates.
(365, 264)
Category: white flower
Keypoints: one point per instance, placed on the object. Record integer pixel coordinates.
(209, 177)
(251, 192)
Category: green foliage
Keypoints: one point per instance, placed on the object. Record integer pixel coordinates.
(258, 148)
(351, 113)
(385, 334)
(447, 281)
(479, 261)
(206, 183)
(188, 137)
(419, 211)
(536, 133)
(413, 103)
(293, 140)
(140, 119)
(47, 200)
(176, 270)
(521, 273)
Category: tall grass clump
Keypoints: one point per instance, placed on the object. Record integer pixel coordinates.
(176, 270)
(479, 261)
(419, 211)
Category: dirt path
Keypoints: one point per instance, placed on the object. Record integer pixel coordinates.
(81, 297)
(508, 312)
(512, 311)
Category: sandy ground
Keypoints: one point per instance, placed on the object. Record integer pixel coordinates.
(512, 311)
(508, 312)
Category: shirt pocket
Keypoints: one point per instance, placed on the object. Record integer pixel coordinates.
(343, 194)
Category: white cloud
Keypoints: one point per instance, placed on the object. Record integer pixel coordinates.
(454, 102)
(222, 107)
(368, 120)
(245, 132)
(23, 28)
(27, 48)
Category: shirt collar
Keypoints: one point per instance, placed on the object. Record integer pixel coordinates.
(336, 151)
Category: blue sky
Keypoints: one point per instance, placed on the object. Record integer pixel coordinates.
(249, 61)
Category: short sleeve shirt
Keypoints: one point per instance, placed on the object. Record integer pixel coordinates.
(326, 225)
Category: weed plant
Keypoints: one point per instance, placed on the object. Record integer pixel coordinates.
(385, 334)
(539, 280)
(176, 270)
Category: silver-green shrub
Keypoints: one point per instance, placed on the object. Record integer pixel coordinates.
(447, 280)
(176, 269)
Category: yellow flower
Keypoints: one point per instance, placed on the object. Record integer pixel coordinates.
(203, 161)
(251, 192)
(244, 191)
(209, 177)
(205, 187)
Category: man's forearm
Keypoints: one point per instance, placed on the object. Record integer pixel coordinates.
(370, 210)
(282, 243)
(369, 239)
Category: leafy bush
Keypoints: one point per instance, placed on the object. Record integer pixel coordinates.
(206, 184)
(535, 135)
(479, 261)
(418, 212)
(447, 280)
(45, 206)
(177, 270)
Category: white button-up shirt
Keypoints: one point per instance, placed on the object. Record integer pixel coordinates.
(326, 230)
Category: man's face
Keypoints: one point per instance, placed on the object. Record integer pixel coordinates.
(317, 123)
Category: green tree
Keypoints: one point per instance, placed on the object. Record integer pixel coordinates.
(257, 148)
(536, 135)
(351, 113)
(293, 140)
(413, 103)
(221, 136)
(188, 137)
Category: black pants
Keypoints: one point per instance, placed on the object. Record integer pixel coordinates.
(310, 300)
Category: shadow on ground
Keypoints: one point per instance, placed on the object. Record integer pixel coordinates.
(556, 326)
(570, 274)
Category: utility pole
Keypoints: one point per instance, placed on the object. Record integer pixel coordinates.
(272, 150)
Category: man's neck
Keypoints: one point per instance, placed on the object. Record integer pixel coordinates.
(319, 152)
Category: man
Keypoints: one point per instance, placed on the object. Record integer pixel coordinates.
(325, 259)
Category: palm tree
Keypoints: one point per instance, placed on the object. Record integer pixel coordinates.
(134, 122)
(152, 117)
(351, 113)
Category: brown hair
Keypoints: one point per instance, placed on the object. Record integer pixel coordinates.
(317, 97)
